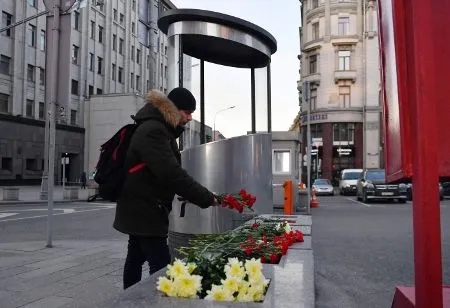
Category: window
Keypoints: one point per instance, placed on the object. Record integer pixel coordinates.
(281, 161)
(343, 132)
(91, 90)
(99, 91)
(114, 42)
(91, 61)
(42, 40)
(132, 81)
(121, 46)
(313, 98)
(315, 31)
(121, 18)
(138, 83)
(132, 53)
(115, 14)
(100, 34)
(31, 3)
(100, 65)
(313, 64)
(165, 51)
(4, 103)
(344, 60)
(93, 30)
(316, 130)
(162, 72)
(31, 35)
(74, 87)
(5, 65)
(41, 76)
(6, 21)
(31, 164)
(148, 85)
(138, 56)
(120, 75)
(133, 28)
(73, 117)
(343, 25)
(29, 108)
(75, 54)
(41, 110)
(165, 71)
(113, 72)
(134, 5)
(314, 4)
(7, 163)
(76, 20)
(148, 61)
(344, 96)
(30, 73)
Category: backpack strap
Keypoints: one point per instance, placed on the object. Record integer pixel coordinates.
(136, 168)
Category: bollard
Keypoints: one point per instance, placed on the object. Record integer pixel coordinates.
(288, 202)
(314, 202)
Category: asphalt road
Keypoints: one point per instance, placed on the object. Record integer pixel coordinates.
(362, 251)
(74, 221)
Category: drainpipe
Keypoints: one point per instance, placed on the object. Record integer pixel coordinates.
(364, 84)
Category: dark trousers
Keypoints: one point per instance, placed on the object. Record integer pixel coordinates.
(154, 250)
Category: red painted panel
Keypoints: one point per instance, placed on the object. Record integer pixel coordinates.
(396, 58)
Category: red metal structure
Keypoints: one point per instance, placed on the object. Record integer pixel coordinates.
(415, 57)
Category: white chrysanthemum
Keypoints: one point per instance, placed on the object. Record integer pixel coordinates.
(244, 297)
(187, 285)
(191, 267)
(231, 283)
(278, 226)
(243, 287)
(219, 293)
(253, 267)
(255, 293)
(178, 268)
(166, 286)
(287, 227)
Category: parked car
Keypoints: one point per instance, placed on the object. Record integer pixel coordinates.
(446, 189)
(372, 185)
(323, 187)
(347, 181)
(410, 195)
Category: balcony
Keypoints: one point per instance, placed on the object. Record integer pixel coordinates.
(344, 75)
(344, 39)
(312, 78)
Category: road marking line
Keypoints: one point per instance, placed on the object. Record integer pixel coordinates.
(56, 214)
(359, 202)
(3, 215)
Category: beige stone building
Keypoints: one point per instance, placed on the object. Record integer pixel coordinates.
(340, 62)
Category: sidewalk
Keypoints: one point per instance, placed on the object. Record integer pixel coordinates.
(31, 194)
(32, 276)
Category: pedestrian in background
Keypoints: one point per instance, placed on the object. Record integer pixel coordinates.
(154, 177)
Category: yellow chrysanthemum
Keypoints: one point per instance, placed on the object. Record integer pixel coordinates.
(218, 293)
(253, 267)
(244, 297)
(231, 283)
(255, 293)
(187, 285)
(235, 270)
(166, 286)
(243, 287)
(178, 268)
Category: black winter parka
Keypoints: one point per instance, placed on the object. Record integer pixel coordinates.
(146, 198)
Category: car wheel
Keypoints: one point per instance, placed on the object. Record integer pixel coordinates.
(401, 200)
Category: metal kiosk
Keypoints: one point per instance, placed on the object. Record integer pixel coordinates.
(231, 164)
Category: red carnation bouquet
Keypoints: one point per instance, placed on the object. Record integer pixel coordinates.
(239, 202)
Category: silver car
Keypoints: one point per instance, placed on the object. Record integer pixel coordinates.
(323, 187)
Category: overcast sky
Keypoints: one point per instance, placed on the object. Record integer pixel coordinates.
(225, 86)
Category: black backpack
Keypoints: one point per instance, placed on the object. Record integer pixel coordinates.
(110, 171)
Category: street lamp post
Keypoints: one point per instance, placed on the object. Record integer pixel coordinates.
(214, 129)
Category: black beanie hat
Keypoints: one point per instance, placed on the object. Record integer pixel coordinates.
(182, 98)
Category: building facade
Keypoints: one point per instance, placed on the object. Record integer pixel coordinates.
(106, 47)
(340, 66)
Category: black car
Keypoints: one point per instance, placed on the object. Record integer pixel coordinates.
(410, 195)
(372, 186)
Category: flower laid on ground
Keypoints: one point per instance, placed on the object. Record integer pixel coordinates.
(179, 281)
(242, 200)
(248, 286)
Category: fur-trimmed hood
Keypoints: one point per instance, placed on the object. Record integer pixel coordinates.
(158, 101)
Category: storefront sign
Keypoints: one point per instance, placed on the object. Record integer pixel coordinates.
(315, 117)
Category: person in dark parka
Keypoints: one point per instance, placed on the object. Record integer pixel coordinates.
(154, 177)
